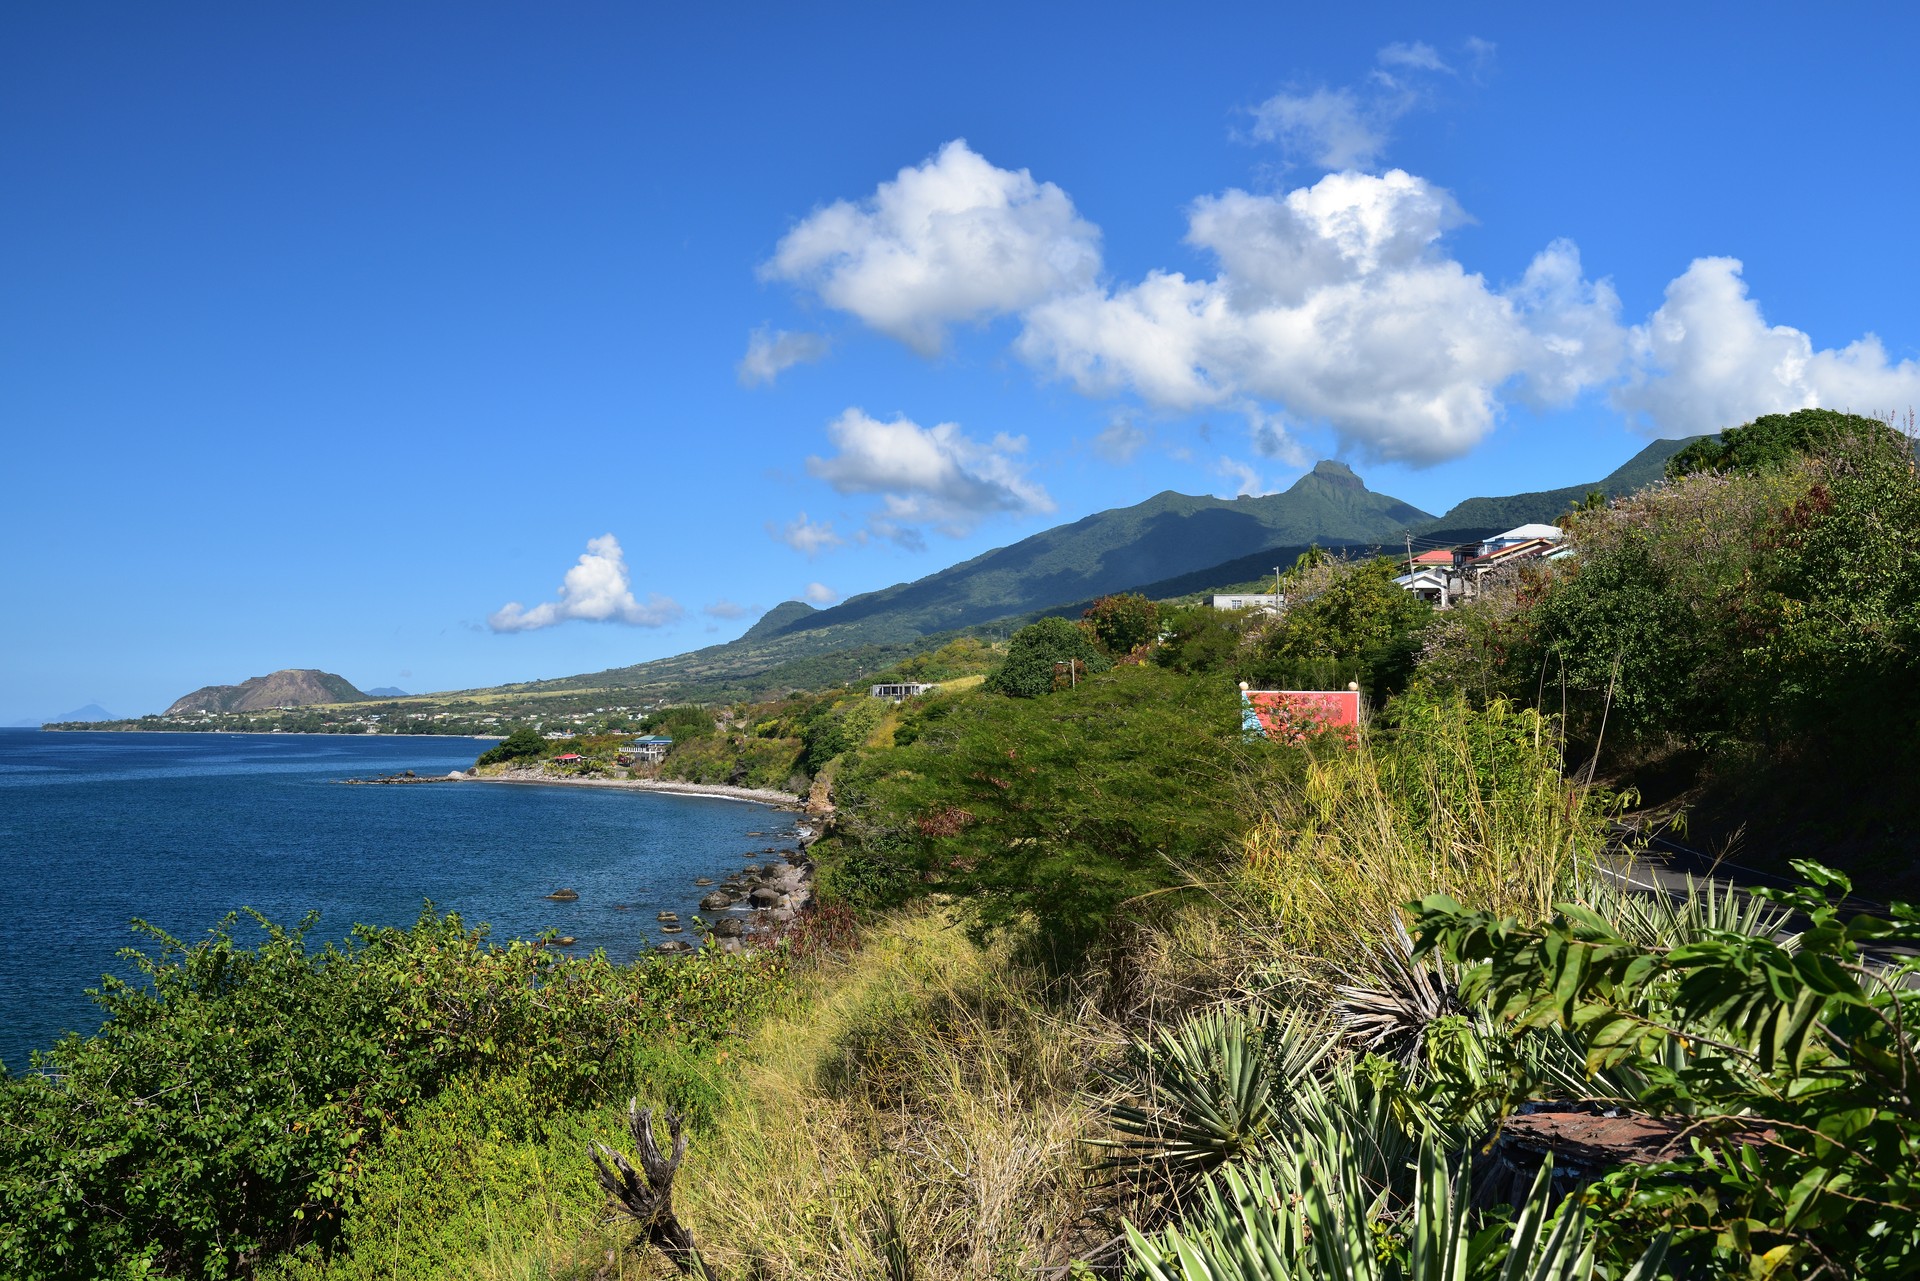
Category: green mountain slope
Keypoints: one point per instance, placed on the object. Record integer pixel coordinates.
(1109, 551)
(1170, 545)
(1478, 517)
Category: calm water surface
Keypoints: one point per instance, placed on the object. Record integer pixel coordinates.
(179, 829)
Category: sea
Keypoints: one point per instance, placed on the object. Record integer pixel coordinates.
(97, 829)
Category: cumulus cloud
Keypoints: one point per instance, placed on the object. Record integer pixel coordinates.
(809, 537)
(597, 589)
(724, 608)
(772, 352)
(1707, 360)
(1335, 302)
(936, 476)
(1333, 128)
(1244, 478)
(1120, 440)
(820, 594)
(950, 240)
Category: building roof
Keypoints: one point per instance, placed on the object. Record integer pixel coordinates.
(652, 740)
(570, 756)
(1552, 533)
(1438, 556)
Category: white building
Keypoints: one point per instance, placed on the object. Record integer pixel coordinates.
(902, 689)
(1522, 534)
(1270, 602)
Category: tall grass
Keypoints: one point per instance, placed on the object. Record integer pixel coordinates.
(1448, 799)
(925, 1104)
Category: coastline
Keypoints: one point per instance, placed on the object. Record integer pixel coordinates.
(719, 791)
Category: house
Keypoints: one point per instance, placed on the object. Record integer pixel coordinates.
(571, 758)
(1431, 584)
(1522, 534)
(1269, 602)
(650, 750)
(901, 690)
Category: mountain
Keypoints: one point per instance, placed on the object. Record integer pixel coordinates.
(294, 687)
(1478, 517)
(91, 712)
(1109, 551)
(386, 691)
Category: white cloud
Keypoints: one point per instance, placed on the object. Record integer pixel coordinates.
(951, 240)
(807, 536)
(1333, 128)
(1415, 55)
(597, 589)
(724, 608)
(820, 594)
(771, 352)
(1120, 440)
(1245, 479)
(935, 475)
(1707, 360)
(1335, 303)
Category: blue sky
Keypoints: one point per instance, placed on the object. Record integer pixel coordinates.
(345, 336)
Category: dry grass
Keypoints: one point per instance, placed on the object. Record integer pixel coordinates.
(923, 1097)
(1473, 805)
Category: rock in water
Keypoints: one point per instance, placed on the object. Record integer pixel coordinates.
(565, 896)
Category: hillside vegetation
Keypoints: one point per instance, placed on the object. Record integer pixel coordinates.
(1103, 986)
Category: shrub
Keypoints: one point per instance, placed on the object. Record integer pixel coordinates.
(234, 1096)
(1036, 650)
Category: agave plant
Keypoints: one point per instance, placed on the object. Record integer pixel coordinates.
(1702, 909)
(1296, 1217)
(1391, 1016)
(1212, 1089)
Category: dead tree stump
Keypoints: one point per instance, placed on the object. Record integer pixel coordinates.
(646, 1195)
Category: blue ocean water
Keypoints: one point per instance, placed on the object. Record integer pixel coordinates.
(179, 829)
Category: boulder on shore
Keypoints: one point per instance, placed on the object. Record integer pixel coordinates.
(717, 901)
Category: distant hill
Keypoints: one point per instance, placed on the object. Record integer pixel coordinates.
(386, 691)
(1108, 551)
(1478, 517)
(294, 687)
(91, 712)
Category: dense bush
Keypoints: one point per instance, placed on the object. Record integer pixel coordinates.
(1122, 624)
(234, 1095)
(1034, 653)
(524, 743)
(1773, 441)
(1060, 807)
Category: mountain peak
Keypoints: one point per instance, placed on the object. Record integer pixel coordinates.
(1336, 471)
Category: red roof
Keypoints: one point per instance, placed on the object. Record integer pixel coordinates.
(1438, 556)
(570, 756)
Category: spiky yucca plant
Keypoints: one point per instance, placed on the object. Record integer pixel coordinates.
(1301, 1216)
(1210, 1090)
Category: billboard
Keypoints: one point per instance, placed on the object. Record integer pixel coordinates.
(1293, 715)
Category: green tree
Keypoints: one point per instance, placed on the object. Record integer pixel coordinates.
(1774, 440)
(1124, 623)
(1058, 809)
(1360, 622)
(1033, 652)
(524, 742)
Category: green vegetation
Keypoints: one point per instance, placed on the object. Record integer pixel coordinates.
(1100, 988)
(1041, 658)
(1773, 441)
(240, 1102)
